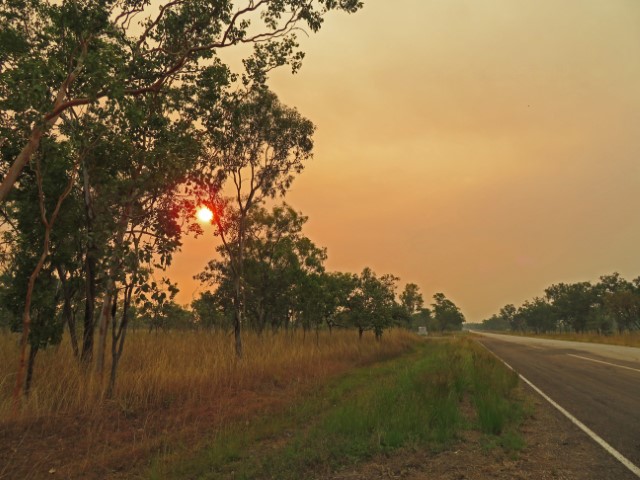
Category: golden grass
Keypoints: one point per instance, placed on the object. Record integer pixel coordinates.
(174, 388)
(190, 367)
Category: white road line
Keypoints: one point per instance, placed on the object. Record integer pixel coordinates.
(618, 456)
(615, 453)
(606, 363)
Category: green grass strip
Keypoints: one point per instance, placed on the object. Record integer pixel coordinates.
(412, 401)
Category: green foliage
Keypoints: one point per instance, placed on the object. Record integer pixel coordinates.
(422, 318)
(258, 145)
(100, 51)
(538, 315)
(157, 309)
(411, 298)
(283, 273)
(611, 303)
(619, 302)
(508, 314)
(409, 313)
(571, 303)
(25, 234)
(372, 303)
(624, 306)
(46, 325)
(255, 138)
(209, 313)
(446, 315)
(495, 323)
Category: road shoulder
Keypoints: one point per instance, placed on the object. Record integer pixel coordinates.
(554, 449)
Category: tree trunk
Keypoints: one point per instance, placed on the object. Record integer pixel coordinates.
(89, 308)
(26, 318)
(237, 316)
(90, 275)
(71, 323)
(105, 313)
(261, 319)
(33, 351)
(236, 260)
(237, 321)
(110, 289)
(21, 160)
(117, 339)
(67, 311)
(360, 332)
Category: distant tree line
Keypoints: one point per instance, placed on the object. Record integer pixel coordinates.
(285, 286)
(610, 305)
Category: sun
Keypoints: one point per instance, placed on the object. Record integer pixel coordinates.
(204, 214)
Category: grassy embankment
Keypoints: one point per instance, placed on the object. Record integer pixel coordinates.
(173, 387)
(626, 339)
(186, 368)
(422, 400)
(290, 409)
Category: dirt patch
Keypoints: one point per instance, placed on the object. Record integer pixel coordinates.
(120, 444)
(555, 449)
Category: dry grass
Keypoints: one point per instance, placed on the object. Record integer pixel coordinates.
(171, 387)
(627, 339)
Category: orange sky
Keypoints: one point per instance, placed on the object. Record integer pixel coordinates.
(482, 149)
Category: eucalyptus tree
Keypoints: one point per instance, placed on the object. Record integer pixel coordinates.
(45, 325)
(294, 257)
(508, 313)
(254, 147)
(279, 263)
(209, 312)
(572, 303)
(446, 314)
(312, 301)
(537, 315)
(138, 162)
(422, 318)
(411, 303)
(135, 222)
(61, 56)
(495, 322)
(624, 306)
(337, 289)
(279, 267)
(411, 298)
(616, 301)
(372, 302)
(36, 206)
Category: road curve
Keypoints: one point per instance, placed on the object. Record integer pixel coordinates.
(598, 384)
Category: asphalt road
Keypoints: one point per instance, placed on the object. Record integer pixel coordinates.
(597, 384)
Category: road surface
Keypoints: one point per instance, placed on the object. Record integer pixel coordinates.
(598, 384)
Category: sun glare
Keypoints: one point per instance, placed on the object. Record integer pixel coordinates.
(204, 214)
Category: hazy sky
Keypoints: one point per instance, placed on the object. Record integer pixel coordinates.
(485, 149)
